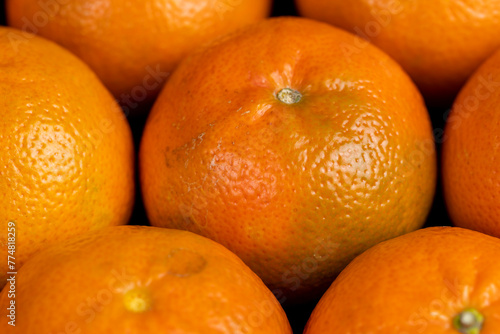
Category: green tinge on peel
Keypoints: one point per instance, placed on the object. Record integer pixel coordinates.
(469, 321)
(137, 300)
(289, 96)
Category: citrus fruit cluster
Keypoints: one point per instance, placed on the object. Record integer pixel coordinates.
(273, 165)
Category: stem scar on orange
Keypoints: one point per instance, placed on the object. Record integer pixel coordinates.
(434, 280)
(293, 155)
(141, 280)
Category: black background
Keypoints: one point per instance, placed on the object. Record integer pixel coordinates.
(298, 314)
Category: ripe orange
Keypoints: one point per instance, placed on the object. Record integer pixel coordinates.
(436, 280)
(294, 156)
(67, 154)
(133, 45)
(471, 155)
(439, 43)
(137, 279)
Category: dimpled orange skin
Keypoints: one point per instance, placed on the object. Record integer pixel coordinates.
(141, 280)
(67, 160)
(439, 43)
(416, 283)
(471, 154)
(295, 190)
(125, 41)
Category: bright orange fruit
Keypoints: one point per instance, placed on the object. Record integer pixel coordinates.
(439, 42)
(141, 280)
(436, 280)
(133, 45)
(293, 155)
(67, 158)
(471, 154)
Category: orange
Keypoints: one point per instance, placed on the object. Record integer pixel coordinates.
(438, 42)
(141, 280)
(67, 154)
(294, 156)
(133, 45)
(440, 280)
(471, 155)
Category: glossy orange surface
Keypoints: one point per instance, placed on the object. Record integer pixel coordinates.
(438, 42)
(416, 283)
(134, 280)
(471, 153)
(67, 160)
(296, 190)
(133, 45)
